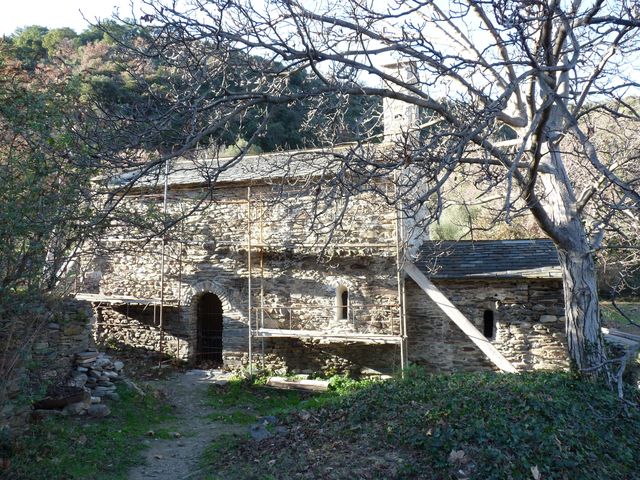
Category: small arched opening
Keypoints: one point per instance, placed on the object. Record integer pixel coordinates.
(209, 346)
(342, 303)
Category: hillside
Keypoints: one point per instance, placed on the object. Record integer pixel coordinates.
(476, 426)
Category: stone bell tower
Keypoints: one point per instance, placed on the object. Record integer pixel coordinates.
(399, 117)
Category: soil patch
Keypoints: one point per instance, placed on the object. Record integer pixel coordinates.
(178, 453)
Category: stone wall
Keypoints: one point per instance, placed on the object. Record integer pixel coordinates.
(529, 324)
(38, 349)
(207, 252)
(220, 217)
(137, 327)
(318, 357)
(299, 293)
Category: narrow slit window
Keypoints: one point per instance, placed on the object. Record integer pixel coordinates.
(345, 304)
(342, 303)
(489, 324)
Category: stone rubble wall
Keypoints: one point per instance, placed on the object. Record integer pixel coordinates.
(299, 293)
(40, 352)
(207, 252)
(313, 357)
(529, 318)
(137, 327)
(220, 218)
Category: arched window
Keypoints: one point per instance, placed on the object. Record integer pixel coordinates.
(342, 303)
(489, 324)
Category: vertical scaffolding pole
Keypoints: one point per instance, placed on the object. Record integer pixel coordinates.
(403, 297)
(162, 255)
(404, 358)
(262, 277)
(249, 279)
(180, 245)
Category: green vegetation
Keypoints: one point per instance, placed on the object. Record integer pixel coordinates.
(455, 223)
(212, 453)
(480, 426)
(111, 82)
(474, 222)
(612, 317)
(79, 448)
(241, 401)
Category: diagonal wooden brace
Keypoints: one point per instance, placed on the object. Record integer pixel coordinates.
(459, 319)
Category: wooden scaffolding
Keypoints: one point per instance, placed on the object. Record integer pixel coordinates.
(257, 331)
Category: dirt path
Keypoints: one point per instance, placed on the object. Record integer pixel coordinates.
(178, 458)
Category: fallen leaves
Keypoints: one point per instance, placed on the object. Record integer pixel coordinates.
(536, 473)
(457, 457)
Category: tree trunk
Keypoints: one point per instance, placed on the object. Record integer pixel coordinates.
(582, 311)
(560, 220)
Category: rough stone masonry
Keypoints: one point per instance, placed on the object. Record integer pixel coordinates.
(515, 298)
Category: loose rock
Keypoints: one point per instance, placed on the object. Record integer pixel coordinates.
(78, 408)
(259, 432)
(98, 410)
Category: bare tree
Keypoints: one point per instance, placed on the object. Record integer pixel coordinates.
(507, 89)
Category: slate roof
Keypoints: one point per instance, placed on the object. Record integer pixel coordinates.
(273, 166)
(536, 258)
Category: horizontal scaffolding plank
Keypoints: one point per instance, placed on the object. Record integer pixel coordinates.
(243, 243)
(120, 299)
(330, 337)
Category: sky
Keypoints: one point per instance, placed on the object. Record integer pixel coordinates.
(57, 13)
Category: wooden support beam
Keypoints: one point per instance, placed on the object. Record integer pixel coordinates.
(302, 384)
(122, 299)
(457, 317)
(328, 336)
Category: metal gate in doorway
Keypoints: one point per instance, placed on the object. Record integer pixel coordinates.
(209, 348)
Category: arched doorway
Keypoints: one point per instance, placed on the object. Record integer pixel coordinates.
(209, 347)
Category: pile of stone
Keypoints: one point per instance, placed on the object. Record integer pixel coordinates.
(98, 373)
(93, 380)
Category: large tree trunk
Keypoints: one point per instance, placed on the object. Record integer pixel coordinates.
(558, 217)
(584, 337)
